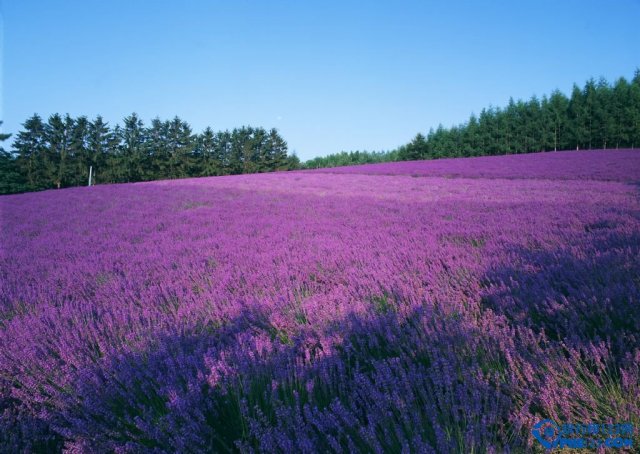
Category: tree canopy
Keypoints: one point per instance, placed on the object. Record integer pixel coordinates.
(58, 152)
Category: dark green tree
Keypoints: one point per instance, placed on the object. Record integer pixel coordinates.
(79, 153)
(416, 149)
(102, 144)
(132, 162)
(209, 154)
(578, 119)
(590, 97)
(293, 162)
(11, 179)
(58, 168)
(633, 111)
(558, 116)
(277, 151)
(181, 143)
(32, 154)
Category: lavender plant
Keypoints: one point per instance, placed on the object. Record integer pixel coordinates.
(354, 310)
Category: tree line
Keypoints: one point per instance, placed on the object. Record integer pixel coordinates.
(57, 153)
(350, 158)
(598, 115)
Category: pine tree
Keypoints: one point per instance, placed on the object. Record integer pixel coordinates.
(225, 141)
(79, 154)
(210, 153)
(158, 150)
(470, 137)
(277, 151)
(31, 148)
(578, 121)
(133, 159)
(250, 151)
(11, 179)
(633, 111)
(590, 102)
(619, 98)
(262, 153)
(532, 117)
(485, 137)
(181, 144)
(603, 113)
(58, 167)
(102, 144)
(236, 154)
(3, 137)
(416, 149)
(559, 112)
(293, 162)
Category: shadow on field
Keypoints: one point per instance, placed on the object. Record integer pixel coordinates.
(380, 382)
(587, 293)
(20, 431)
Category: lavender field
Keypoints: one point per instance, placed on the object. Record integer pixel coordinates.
(429, 306)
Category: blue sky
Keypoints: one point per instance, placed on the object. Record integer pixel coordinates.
(330, 76)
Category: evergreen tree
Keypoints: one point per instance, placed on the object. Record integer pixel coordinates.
(132, 162)
(278, 151)
(157, 150)
(250, 151)
(604, 115)
(226, 145)
(558, 115)
(262, 152)
(470, 137)
(102, 143)
(487, 137)
(11, 179)
(31, 149)
(512, 127)
(181, 144)
(79, 154)
(293, 162)
(590, 98)
(236, 154)
(533, 126)
(546, 133)
(633, 111)
(210, 154)
(58, 168)
(620, 98)
(578, 121)
(416, 149)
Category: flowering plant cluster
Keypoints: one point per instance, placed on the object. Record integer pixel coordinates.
(399, 310)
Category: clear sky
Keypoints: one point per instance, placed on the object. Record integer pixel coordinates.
(329, 75)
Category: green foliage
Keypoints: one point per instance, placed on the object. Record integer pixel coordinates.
(351, 158)
(58, 153)
(10, 176)
(597, 116)
(418, 148)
